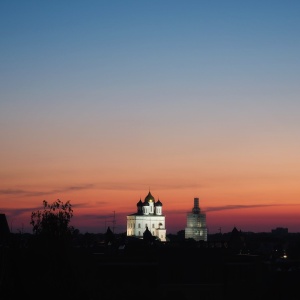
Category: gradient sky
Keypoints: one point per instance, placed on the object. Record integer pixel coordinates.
(101, 101)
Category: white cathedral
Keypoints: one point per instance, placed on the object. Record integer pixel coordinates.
(148, 216)
(196, 223)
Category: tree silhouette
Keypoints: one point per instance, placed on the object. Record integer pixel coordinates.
(52, 225)
(54, 220)
(54, 265)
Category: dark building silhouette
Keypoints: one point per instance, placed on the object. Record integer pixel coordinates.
(236, 241)
(109, 236)
(280, 231)
(4, 229)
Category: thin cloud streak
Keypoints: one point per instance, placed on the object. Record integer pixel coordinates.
(94, 216)
(12, 192)
(229, 207)
(26, 193)
(83, 204)
(104, 186)
(15, 212)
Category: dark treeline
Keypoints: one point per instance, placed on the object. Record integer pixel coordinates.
(56, 261)
(109, 266)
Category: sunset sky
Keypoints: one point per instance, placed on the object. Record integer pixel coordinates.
(101, 101)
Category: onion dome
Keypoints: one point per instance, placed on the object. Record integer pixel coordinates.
(149, 198)
(139, 203)
(158, 203)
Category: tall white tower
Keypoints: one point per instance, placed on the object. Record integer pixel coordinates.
(196, 223)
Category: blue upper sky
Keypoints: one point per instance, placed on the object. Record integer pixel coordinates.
(152, 46)
(144, 57)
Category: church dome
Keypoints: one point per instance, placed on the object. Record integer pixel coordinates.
(149, 198)
(158, 203)
(139, 203)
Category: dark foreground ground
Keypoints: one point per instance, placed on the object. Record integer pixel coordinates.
(139, 271)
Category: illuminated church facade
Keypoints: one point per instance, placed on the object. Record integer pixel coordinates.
(149, 215)
(196, 224)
